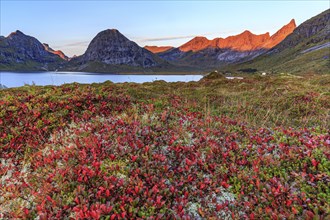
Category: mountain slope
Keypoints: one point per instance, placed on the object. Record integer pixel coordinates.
(22, 52)
(307, 49)
(57, 52)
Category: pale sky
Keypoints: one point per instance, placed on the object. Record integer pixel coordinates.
(70, 25)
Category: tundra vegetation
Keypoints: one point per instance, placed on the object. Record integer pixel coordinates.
(254, 148)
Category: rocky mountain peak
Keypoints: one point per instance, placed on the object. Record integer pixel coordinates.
(16, 34)
(280, 35)
(197, 43)
(112, 47)
(293, 23)
(245, 33)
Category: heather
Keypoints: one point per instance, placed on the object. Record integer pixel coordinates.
(256, 148)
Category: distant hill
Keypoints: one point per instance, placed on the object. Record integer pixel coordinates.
(307, 49)
(158, 49)
(20, 52)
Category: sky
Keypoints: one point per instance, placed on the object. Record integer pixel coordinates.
(70, 25)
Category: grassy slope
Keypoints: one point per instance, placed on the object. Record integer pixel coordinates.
(292, 61)
(115, 150)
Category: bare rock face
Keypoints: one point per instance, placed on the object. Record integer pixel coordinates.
(158, 49)
(56, 52)
(113, 48)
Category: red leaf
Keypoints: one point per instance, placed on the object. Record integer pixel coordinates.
(309, 214)
(218, 207)
(314, 162)
(200, 211)
(26, 211)
(146, 149)
(288, 202)
(136, 189)
(258, 183)
(294, 210)
(224, 184)
(123, 214)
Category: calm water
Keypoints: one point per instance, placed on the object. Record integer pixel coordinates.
(10, 79)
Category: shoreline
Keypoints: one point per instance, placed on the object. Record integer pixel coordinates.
(101, 73)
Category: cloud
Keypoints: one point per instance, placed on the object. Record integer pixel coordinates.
(169, 38)
(165, 38)
(75, 44)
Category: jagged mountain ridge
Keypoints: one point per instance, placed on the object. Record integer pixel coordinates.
(221, 51)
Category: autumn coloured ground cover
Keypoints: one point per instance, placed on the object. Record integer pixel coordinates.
(256, 148)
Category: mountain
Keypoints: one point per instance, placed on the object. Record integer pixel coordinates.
(306, 49)
(22, 52)
(157, 49)
(112, 51)
(201, 51)
(57, 52)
